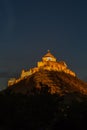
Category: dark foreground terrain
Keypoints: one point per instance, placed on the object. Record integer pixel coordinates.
(46, 100)
(43, 112)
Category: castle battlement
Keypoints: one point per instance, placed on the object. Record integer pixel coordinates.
(49, 62)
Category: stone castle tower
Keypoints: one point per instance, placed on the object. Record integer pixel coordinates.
(49, 62)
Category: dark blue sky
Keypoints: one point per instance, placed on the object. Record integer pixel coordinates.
(28, 28)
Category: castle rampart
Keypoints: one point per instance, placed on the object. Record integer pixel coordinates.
(48, 62)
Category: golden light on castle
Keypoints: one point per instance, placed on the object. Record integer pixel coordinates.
(49, 62)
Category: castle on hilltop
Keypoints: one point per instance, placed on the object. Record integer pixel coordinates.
(49, 62)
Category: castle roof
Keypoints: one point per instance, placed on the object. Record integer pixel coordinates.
(49, 54)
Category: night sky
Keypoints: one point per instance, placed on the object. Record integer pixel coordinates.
(28, 28)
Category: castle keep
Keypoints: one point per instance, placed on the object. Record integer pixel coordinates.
(49, 62)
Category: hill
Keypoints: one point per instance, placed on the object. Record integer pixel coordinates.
(52, 82)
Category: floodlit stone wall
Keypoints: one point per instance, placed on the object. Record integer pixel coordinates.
(48, 63)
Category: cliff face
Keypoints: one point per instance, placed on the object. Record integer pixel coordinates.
(52, 82)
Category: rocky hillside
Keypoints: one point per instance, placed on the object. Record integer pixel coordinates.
(52, 82)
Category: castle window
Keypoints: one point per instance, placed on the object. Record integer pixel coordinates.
(49, 58)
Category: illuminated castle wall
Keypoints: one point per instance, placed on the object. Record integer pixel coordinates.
(49, 62)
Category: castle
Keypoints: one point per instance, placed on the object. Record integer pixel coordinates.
(49, 62)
